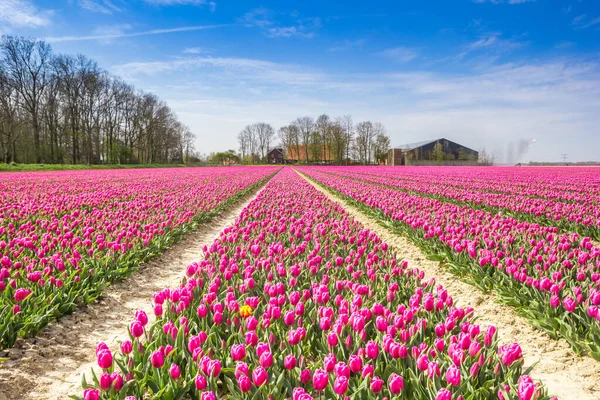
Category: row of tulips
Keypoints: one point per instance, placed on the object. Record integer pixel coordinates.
(552, 279)
(578, 185)
(582, 216)
(66, 235)
(298, 301)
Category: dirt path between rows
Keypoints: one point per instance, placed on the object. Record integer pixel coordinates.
(50, 365)
(565, 374)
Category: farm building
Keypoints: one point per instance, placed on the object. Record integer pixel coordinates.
(275, 156)
(316, 154)
(433, 152)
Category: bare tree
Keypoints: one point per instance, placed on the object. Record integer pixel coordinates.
(264, 136)
(365, 131)
(338, 141)
(10, 120)
(67, 109)
(381, 145)
(305, 126)
(27, 64)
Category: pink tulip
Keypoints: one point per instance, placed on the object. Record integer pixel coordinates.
(244, 383)
(238, 352)
(396, 383)
(320, 379)
(443, 394)
(372, 349)
(105, 359)
(214, 368)
(340, 386)
(453, 376)
(126, 347)
(200, 382)
(377, 384)
(157, 359)
(117, 381)
(175, 371)
(91, 394)
(259, 376)
(289, 362)
(136, 328)
(105, 381)
(355, 363)
(208, 396)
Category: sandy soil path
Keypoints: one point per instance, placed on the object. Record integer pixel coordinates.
(50, 365)
(566, 375)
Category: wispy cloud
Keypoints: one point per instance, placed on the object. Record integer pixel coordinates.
(582, 22)
(264, 19)
(208, 3)
(400, 54)
(22, 13)
(348, 45)
(99, 6)
(122, 34)
(194, 50)
(259, 17)
(494, 41)
(288, 31)
(108, 32)
(554, 101)
(223, 68)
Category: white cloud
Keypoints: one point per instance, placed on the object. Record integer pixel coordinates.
(22, 13)
(582, 22)
(496, 42)
(263, 18)
(259, 17)
(120, 34)
(99, 6)
(555, 102)
(194, 50)
(106, 33)
(224, 69)
(348, 45)
(400, 54)
(211, 4)
(288, 31)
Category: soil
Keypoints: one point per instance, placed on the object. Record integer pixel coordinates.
(564, 373)
(50, 366)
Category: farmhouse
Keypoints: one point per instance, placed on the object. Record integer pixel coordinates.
(318, 154)
(433, 152)
(275, 156)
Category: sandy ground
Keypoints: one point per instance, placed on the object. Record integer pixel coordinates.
(565, 374)
(50, 365)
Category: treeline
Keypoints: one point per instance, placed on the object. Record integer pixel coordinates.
(324, 140)
(57, 108)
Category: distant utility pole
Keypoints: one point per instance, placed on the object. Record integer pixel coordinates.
(564, 157)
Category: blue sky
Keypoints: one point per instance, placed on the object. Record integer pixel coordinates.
(487, 73)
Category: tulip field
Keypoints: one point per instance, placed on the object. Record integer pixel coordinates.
(65, 235)
(568, 200)
(297, 300)
(550, 274)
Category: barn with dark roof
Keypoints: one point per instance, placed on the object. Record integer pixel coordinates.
(433, 152)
